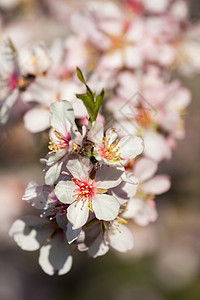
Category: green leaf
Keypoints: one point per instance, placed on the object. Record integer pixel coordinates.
(89, 93)
(89, 104)
(80, 75)
(88, 99)
(98, 103)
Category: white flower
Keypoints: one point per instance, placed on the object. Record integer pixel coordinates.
(127, 188)
(65, 134)
(119, 236)
(156, 146)
(97, 238)
(85, 194)
(62, 120)
(33, 233)
(10, 79)
(44, 199)
(142, 207)
(112, 151)
(34, 60)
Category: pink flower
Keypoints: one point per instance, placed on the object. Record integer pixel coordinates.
(142, 207)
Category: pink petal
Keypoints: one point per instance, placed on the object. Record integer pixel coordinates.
(157, 185)
(145, 168)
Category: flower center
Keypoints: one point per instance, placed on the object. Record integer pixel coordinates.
(109, 151)
(143, 117)
(13, 81)
(113, 226)
(140, 194)
(135, 6)
(85, 190)
(62, 142)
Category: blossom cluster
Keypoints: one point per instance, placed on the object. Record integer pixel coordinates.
(104, 150)
(93, 184)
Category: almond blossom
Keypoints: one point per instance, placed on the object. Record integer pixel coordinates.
(107, 234)
(32, 233)
(142, 207)
(97, 176)
(112, 151)
(12, 81)
(65, 133)
(85, 194)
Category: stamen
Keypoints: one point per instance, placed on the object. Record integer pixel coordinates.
(61, 143)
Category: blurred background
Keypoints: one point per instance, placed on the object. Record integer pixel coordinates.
(165, 263)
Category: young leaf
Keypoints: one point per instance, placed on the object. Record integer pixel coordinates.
(89, 93)
(80, 75)
(88, 104)
(98, 103)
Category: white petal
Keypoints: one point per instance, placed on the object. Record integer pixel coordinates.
(156, 6)
(64, 191)
(43, 91)
(80, 110)
(105, 207)
(35, 195)
(30, 232)
(108, 177)
(157, 185)
(77, 214)
(130, 185)
(79, 168)
(98, 247)
(156, 146)
(37, 119)
(62, 116)
(147, 214)
(96, 132)
(111, 60)
(5, 109)
(72, 234)
(142, 211)
(121, 238)
(111, 135)
(53, 173)
(133, 57)
(55, 256)
(130, 146)
(145, 168)
(55, 157)
(44, 261)
(134, 206)
(127, 188)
